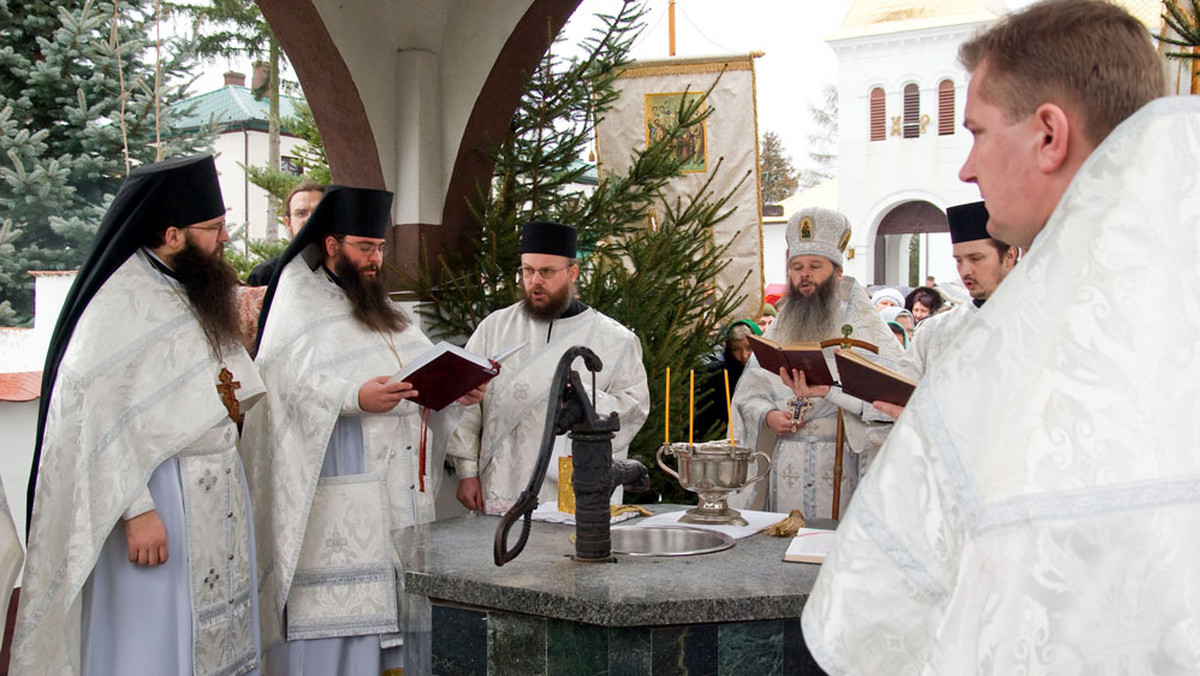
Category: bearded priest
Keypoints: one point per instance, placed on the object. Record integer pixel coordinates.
(339, 457)
(141, 557)
(495, 447)
(820, 300)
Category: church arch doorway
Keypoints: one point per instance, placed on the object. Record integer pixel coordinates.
(906, 236)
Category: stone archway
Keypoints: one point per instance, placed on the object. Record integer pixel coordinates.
(907, 218)
(345, 115)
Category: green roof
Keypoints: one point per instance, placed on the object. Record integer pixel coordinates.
(233, 107)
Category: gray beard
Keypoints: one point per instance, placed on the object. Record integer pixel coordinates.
(811, 318)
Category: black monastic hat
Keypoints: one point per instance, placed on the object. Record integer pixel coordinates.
(547, 237)
(343, 210)
(968, 222)
(154, 197)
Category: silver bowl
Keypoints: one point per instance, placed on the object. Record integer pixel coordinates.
(712, 470)
(668, 541)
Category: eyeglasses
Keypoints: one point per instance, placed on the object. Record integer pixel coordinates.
(214, 228)
(545, 273)
(369, 249)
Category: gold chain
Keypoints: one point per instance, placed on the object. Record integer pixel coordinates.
(391, 345)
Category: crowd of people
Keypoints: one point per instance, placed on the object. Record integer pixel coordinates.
(217, 480)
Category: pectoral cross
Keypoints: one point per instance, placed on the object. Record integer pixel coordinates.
(226, 388)
(797, 406)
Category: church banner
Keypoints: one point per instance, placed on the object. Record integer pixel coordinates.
(651, 93)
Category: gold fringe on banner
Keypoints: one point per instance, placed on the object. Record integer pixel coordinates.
(686, 69)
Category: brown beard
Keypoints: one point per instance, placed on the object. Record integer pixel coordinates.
(209, 282)
(369, 298)
(808, 318)
(554, 306)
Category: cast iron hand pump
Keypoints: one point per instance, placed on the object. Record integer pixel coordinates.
(595, 475)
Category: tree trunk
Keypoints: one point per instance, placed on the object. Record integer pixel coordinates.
(273, 137)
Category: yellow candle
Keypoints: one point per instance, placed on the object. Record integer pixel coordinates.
(691, 407)
(667, 414)
(728, 407)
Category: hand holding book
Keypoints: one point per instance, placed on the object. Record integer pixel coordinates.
(807, 358)
(379, 395)
(798, 382)
(446, 373)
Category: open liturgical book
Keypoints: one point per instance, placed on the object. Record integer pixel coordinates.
(809, 546)
(445, 372)
(806, 357)
(870, 382)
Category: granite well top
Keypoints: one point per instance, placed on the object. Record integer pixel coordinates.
(451, 561)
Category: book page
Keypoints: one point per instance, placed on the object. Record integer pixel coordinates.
(809, 546)
(442, 347)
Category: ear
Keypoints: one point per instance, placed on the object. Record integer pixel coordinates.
(331, 244)
(574, 272)
(1055, 130)
(174, 240)
(1010, 258)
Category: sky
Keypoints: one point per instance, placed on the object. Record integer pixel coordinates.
(789, 77)
(797, 64)
(791, 32)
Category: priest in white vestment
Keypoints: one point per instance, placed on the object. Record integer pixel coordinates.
(820, 300)
(1036, 509)
(983, 262)
(141, 556)
(339, 457)
(495, 446)
(12, 556)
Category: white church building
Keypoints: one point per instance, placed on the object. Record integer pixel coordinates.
(901, 93)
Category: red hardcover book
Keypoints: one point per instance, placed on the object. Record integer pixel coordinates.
(446, 372)
(806, 357)
(870, 381)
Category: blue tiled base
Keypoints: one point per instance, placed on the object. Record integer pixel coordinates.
(467, 642)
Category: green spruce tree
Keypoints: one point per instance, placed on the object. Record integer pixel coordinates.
(229, 28)
(648, 264)
(776, 175)
(63, 98)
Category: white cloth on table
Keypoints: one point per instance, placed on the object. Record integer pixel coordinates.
(755, 522)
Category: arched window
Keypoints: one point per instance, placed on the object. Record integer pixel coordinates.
(945, 108)
(912, 111)
(878, 115)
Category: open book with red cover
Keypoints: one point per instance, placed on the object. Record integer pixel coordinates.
(445, 372)
(806, 357)
(870, 382)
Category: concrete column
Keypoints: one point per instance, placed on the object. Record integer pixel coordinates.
(418, 133)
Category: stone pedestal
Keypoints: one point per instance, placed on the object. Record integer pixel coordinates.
(728, 613)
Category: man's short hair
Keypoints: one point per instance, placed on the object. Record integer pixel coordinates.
(1000, 247)
(303, 186)
(1087, 55)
